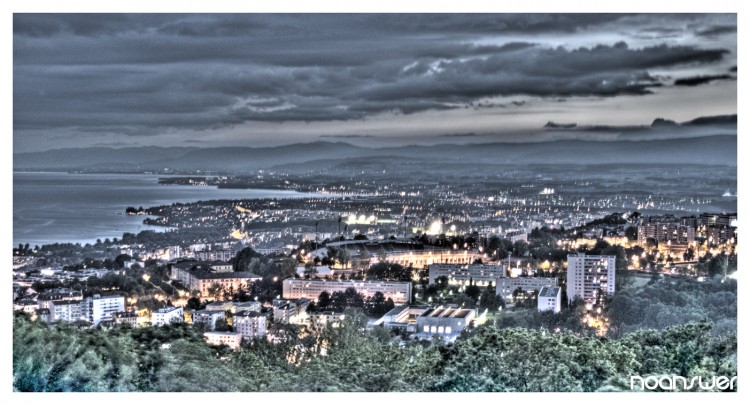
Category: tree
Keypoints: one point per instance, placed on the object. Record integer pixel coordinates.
(310, 270)
(718, 265)
(222, 325)
(490, 300)
(473, 292)
(216, 291)
(520, 248)
(242, 261)
(377, 305)
(193, 303)
(348, 298)
(324, 300)
(389, 272)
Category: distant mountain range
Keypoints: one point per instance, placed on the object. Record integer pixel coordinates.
(718, 149)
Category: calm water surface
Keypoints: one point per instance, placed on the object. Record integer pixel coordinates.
(62, 207)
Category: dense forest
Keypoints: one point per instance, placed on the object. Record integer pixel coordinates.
(352, 358)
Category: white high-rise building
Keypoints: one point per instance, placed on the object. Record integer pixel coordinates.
(249, 324)
(589, 274)
(97, 308)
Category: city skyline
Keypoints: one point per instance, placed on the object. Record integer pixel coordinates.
(203, 80)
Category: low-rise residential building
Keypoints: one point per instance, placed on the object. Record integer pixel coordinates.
(58, 294)
(549, 299)
(42, 314)
(26, 305)
(231, 339)
(125, 317)
(208, 317)
(326, 318)
(463, 274)
(291, 311)
(200, 276)
(166, 315)
(249, 324)
(398, 291)
(224, 255)
(220, 306)
(507, 285)
(246, 306)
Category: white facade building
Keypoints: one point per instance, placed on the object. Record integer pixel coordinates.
(549, 299)
(231, 339)
(587, 275)
(67, 311)
(249, 324)
(398, 291)
(462, 274)
(507, 285)
(166, 315)
(208, 317)
(97, 308)
(291, 311)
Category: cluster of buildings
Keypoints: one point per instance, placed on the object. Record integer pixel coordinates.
(667, 229)
(66, 305)
(484, 275)
(425, 321)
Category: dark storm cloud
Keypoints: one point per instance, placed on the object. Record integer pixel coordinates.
(718, 30)
(145, 74)
(698, 80)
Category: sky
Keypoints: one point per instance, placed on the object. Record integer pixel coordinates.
(211, 80)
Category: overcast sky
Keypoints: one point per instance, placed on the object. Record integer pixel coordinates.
(262, 79)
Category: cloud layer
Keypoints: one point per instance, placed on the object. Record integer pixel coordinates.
(151, 75)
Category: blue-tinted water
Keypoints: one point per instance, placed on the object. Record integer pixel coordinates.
(62, 207)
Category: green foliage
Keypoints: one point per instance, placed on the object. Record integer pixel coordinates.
(353, 358)
(389, 272)
(674, 302)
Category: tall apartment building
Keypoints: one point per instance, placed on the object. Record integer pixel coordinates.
(67, 311)
(398, 291)
(97, 308)
(587, 275)
(249, 324)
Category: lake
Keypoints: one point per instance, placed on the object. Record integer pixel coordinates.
(61, 207)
